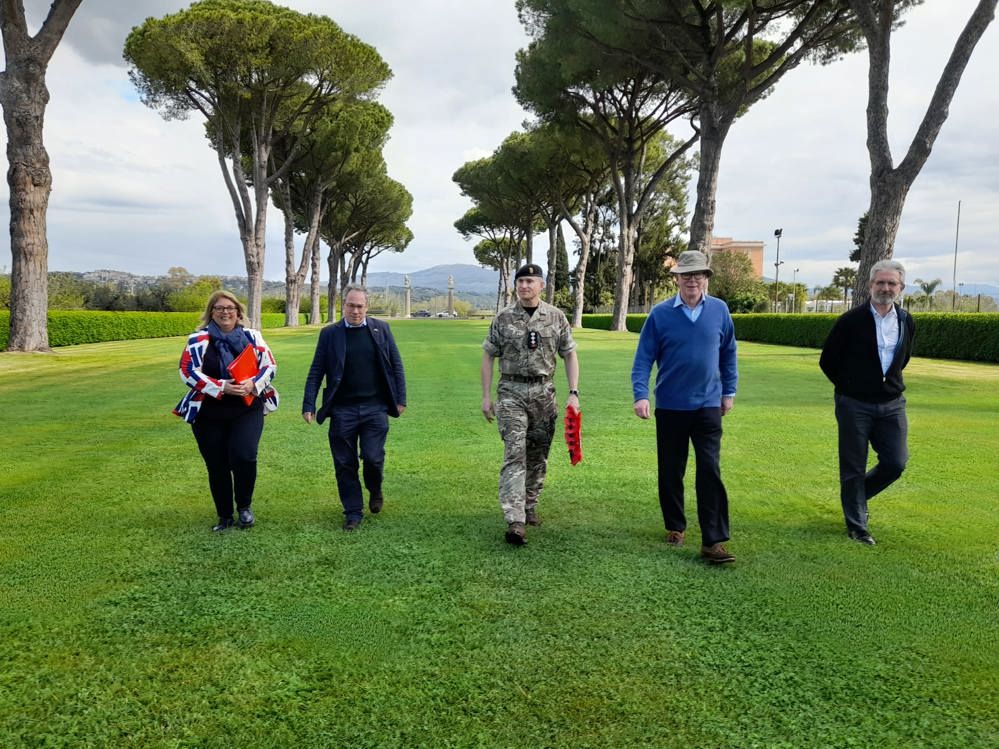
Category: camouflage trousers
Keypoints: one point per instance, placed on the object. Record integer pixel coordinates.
(526, 415)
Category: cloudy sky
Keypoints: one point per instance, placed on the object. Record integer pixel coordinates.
(134, 192)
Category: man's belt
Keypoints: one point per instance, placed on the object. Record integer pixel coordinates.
(527, 380)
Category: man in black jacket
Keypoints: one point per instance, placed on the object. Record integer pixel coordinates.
(863, 357)
(365, 384)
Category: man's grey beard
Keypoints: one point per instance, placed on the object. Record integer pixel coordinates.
(885, 297)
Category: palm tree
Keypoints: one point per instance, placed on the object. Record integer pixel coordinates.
(845, 278)
(928, 287)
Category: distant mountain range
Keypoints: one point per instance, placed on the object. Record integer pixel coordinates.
(470, 278)
(974, 289)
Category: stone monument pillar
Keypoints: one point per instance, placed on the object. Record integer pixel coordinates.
(450, 296)
(409, 296)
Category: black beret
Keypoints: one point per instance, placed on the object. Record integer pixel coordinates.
(528, 271)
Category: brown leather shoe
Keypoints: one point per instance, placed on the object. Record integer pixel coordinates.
(515, 534)
(351, 524)
(375, 504)
(674, 538)
(717, 554)
(532, 517)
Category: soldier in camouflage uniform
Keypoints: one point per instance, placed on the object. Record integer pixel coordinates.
(525, 337)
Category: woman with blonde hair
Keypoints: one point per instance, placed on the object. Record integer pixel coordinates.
(226, 413)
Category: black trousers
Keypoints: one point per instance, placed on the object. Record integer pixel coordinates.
(352, 427)
(884, 427)
(229, 447)
(675, 431)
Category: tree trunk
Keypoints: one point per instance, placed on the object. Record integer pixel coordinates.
(584, 232)
(702, 223)
(552, 259)
(294, 278)
(584, 259)
(562, 280)
(292, 282)
(625, 271)
(24, 96)
(315, 314)
(355, 264)
(890, 184)
(333, 261)
(254, 287)
(887, 203)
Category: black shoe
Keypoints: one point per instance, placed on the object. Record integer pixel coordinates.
(246, 518)
(375, 504)
(862, 537)
(351, 524)
(222, 525)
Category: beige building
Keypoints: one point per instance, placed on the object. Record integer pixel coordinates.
(753, 249)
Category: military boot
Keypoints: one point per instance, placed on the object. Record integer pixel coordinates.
(532, 517)
(515, 534)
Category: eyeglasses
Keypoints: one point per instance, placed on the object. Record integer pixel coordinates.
(220, 308)
(693, 276)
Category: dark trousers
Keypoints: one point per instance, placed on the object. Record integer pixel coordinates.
(364, 426)
(885, 427)
(674, 431)
(229, 447)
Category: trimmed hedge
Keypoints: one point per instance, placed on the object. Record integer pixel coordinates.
(809, 331)
(939, 335)
(949, 335)
(70, 327)
(634, 323)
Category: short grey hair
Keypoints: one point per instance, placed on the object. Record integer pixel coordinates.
(355, 287)
(888, 265)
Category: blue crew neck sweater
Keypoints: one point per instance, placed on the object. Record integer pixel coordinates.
(695, 361)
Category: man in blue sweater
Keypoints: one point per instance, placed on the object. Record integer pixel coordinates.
(691, 339)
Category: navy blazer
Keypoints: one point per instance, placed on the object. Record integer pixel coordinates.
(328, 363)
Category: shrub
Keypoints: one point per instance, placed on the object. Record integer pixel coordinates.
(953, 335)
(597, 322)
(275, 304)
(633, 323)
(809, 331)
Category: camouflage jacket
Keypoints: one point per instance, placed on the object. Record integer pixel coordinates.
(525, 344)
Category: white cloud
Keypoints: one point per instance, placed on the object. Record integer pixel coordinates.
(135, 192)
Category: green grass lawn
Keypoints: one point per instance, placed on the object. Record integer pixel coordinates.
(125, 623)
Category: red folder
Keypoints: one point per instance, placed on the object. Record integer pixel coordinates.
(574, 433)
(244, 367)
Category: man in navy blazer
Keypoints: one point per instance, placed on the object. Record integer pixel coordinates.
(365, 384)
(863, 357)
